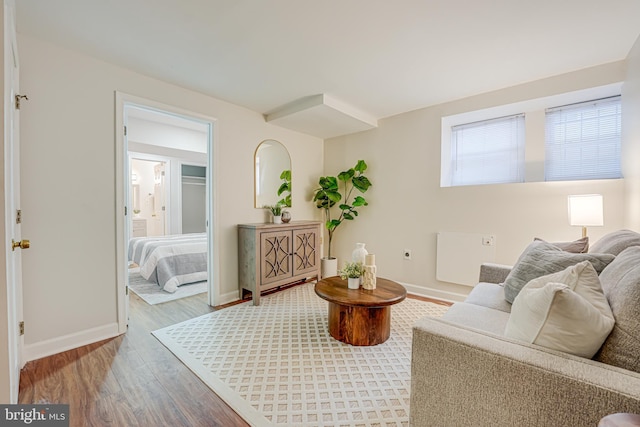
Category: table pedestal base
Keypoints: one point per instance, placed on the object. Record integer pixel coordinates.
(359, 325)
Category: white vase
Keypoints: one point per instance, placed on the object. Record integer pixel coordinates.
(353, 283)
(328, 267)
(359, 253)
(277, 219)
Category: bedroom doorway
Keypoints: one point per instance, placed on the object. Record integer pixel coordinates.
(166, 163)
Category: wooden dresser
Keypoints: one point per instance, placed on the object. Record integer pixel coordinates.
(272, 255)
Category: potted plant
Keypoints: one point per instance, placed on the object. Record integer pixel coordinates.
(352, 272)
(276, 211)
(339, 190)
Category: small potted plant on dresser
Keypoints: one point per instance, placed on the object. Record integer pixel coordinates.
(339, 190)
(276, 212)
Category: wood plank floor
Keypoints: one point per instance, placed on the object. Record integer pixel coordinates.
(131, 380)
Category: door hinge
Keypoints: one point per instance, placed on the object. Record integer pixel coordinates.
(19, 98)
(126, 290)
(125, 131)
(164, 208)
(125, 211)
(21, 327)
(19, 216)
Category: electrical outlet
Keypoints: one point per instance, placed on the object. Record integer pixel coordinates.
(488, 240)
(407, 254)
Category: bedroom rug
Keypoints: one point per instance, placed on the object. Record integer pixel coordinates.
(152, 294)
(276, 364)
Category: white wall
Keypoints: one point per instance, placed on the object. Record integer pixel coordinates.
(631, 137)
(166, 135)
(69, 152)
(407, 206)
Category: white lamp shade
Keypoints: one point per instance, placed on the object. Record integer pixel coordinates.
(586, 210)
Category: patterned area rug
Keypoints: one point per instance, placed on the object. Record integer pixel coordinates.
(152, 294)
(276, 364)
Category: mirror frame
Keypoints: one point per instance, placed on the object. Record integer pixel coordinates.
(255, 172)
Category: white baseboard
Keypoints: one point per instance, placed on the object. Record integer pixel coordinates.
(68, 342)
(434, 293)
(228, 297)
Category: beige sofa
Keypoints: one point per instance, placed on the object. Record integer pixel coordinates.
(465, 372)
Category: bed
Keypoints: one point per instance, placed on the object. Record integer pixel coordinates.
(171, 261)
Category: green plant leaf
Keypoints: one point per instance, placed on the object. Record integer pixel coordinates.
(346, 175)
(285, 186)
(331, 225)
(359, 201)
(286, 175)
(362, 183)
(329, 183)
(361, 166)
(348, 216)
(344, 207)
(334, 196)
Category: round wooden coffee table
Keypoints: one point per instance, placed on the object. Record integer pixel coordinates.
(359, 316)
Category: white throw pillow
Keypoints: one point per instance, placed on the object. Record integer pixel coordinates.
(565, 311)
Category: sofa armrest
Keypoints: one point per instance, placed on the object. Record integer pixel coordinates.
(462, 376)
(493, 273)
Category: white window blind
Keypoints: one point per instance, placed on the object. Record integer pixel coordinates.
(583, 141)
(488, 151)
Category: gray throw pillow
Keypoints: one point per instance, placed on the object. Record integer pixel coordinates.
(579, 246)
(621, 285)
(616, 242)
(541, 258)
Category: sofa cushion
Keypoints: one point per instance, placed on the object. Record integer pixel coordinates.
(621, 285)
(541, 258)
(579, 246)
(489, 295)
(477, 317)
(615, 242)
(565, 311)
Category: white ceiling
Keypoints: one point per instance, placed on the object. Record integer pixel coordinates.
(378, 57)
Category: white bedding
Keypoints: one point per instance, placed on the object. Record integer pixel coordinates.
(171, 261)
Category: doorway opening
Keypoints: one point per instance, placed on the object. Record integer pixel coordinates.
(167, 195)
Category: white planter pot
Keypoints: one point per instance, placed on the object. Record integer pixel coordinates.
(277, 219)
(328, 267)
(353, 283)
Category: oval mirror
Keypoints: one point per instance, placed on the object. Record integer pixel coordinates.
(272, 174)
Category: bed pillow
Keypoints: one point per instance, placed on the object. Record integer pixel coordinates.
(565, 311)
(579, 246)
(541, 258)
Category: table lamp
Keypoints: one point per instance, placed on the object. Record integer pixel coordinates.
(585, 210)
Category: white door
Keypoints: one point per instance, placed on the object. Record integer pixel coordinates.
(13, 216)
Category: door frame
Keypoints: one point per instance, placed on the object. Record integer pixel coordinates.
(122, 197)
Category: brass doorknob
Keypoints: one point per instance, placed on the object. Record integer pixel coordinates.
(22, 244)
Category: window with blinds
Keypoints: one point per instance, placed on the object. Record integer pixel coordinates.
(488, 151)
(583, 140)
